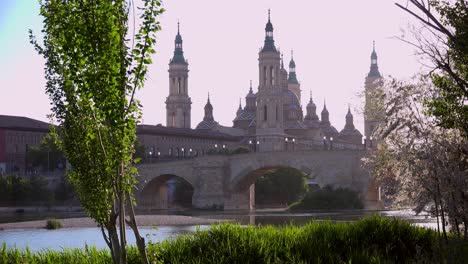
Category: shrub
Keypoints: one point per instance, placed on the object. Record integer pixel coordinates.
(329, 199)
(240, 150)
(53, 224)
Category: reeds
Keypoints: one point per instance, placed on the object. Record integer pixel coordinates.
(371, 240)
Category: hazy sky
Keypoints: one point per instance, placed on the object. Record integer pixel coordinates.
(332, 42)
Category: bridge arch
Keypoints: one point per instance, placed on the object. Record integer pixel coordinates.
(165, 192)
(165, 185)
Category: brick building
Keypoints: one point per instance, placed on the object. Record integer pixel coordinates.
(17, 135)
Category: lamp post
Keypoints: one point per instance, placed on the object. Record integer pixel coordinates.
(331, 143)
(257, 146)
(250, 145)
(324, 143)
(286, 143)
(370, 142)
(364, 141)
(150, 156)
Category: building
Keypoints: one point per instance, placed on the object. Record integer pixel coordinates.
(272, 118)
(17, 135)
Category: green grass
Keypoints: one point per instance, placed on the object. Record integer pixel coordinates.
(371, 240)
(53, 224)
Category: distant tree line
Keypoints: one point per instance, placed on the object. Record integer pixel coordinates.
(20, 191)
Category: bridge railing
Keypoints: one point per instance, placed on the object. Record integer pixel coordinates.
(327, 145)
(299, 145)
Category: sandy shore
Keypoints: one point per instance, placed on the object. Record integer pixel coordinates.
(142, 220)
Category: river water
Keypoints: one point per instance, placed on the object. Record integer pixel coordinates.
(40, 239)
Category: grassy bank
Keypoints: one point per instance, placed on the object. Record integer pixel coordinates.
(371, 240)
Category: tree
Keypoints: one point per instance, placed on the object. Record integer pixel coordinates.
(94, 66)
(285, 185)
(46, 156)
(426, 165)
(443, 39)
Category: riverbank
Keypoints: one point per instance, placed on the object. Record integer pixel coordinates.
(142, 220)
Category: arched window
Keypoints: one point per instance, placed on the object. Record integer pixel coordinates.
(173, 84)
(265, 75)
(170, 152)
(178, 86)
(272, 75)
(277, 118)
(173, 120)
(177, 152)
(185, 119)
(265, 113)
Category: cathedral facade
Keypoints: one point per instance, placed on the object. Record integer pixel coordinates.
(272, 117)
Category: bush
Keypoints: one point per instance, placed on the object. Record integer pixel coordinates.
(329, 199)
(53, 224)
(372, 240)
(240, 150)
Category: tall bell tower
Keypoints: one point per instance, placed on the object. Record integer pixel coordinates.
(178, 103)
(269, 128)
(372, 110)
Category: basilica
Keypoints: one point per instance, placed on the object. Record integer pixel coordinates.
(272, 115)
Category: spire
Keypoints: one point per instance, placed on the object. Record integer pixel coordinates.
(178, 51)
(208, 110)
(374, 68)
(250, 99)
(239, 110)
(282, 61)
(292, 70)
(311, 101)
(325, 114)
(349, 119)
(269, 41)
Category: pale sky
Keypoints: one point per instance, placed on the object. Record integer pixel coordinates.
(332, 43)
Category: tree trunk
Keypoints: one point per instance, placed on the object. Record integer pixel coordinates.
(121, 204)
(116, 249)
(140, 241)
(437, 215)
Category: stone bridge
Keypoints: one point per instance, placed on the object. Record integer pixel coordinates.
(221, 181)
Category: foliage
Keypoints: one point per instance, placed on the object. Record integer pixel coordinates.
(140, 152)
(442, 39)
(283, 186)
(94, 66)
(183, 192)
(46, 156)
(370, 240)
(241, 150)
(16, 190)
(328, 198)
(423, 165)
(53, 224)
